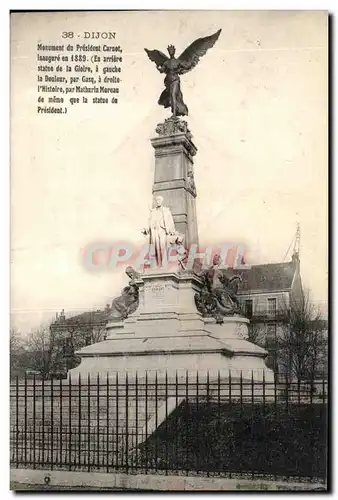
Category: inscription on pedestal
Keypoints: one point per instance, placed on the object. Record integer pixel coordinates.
(158, 294)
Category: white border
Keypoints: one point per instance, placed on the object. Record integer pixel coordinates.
(4, 171)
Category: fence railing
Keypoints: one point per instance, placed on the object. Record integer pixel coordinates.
(186, 423)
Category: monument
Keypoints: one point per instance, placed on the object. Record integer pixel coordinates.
(174, 316)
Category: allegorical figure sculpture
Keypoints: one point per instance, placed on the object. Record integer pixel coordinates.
(218, 296)
(128, 301)
(173, 67)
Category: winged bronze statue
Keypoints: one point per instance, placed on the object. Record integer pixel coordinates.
(173, 67)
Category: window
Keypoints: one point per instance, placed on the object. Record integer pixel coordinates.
(248, 308)
(272, 307)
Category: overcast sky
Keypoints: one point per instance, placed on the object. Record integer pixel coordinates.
(258, 113)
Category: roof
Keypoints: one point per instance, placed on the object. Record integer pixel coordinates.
(278, 276)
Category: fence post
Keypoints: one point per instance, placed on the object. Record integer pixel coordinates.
(127, 417)
(16, 434)
(219, 398)
(264, 390)
(156, 420)
(98, 420)
(60, 414)
(136, 420)
(43, 419)
(187, 421)
(146, 417)
(252, 393)
(117, 420)
(230, 411)
(241, 389)
(79, 416)
(176, 419)
(88, 421)
(197, 421)
(230, 390)
(34, 418)
(52, 422)
(219, 410)
(166, 422)
(107, 423)
(208, 407)
(25, 434)
(70, 422)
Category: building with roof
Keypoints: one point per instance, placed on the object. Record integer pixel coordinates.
(267, 290)
(71, 334)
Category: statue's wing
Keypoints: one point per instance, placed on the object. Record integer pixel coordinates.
(190, 57)
(156, 56)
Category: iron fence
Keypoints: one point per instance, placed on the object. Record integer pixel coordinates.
(220, 424)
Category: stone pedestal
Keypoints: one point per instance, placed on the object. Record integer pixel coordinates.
(166, 305)
(174, 175)
(167, 334)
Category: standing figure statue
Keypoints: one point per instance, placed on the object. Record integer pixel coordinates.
(161, 229)
(173, 67)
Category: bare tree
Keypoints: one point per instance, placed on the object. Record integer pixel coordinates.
(17, 353)
(16, 341)
(40, 347)
(98, 334)
(302, 342)
(256, 333)
(71, 335)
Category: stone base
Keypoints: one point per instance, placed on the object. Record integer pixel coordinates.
(213, 359)
(167, 334)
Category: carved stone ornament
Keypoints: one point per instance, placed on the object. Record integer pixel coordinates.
(190, 183)
(173, 126)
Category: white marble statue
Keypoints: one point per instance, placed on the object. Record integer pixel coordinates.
(161, 230)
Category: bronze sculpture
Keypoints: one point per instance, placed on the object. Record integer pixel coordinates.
(128, 301)
(218, 295)
(173, 67)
